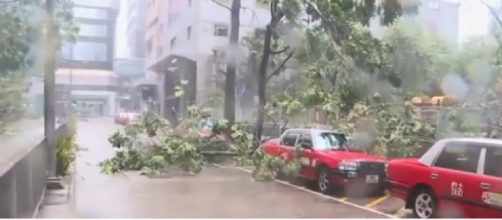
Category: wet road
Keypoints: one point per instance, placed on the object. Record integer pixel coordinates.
(215, 193)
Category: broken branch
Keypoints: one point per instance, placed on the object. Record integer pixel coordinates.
(275, 52)
(278, 69)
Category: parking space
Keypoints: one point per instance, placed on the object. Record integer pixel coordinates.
(381, 203)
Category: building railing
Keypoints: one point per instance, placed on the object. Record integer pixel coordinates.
(23, 177)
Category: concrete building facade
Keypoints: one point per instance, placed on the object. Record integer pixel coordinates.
(84, 75)
(185, 43)
(136, 27)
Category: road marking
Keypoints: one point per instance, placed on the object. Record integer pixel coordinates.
(401, 210)
(376, 201)
(317, 193)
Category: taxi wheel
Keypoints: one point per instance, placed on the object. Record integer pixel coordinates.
(323, 180)
(424, 204)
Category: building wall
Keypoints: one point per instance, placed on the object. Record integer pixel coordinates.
(441, 17)
(437, 16)
(136, 27)
(94, 48)
(87, 85)
(190, 32)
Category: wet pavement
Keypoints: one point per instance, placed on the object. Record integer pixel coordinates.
(214, 193)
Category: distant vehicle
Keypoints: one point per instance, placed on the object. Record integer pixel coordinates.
(459, 177)
(327, 161)
(125, 117)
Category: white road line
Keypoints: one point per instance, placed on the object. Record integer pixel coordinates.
(317, 193)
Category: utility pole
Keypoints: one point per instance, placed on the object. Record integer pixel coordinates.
(230, 80)
(71, 82)
(49, 86)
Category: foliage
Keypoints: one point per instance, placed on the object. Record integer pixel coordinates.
(11, 101)
(264, 163)
(22, 27)
(396, 130)
(151, 146)
(65, 148)
(463, 122)
(153, 124)
(415, 56)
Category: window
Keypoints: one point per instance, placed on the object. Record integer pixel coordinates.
(492, 162)
(305, 138)
(289, 138)
(92, 30)
(329, 140)
(459, 156)
(149, 46)
(434, 4)
(173, 43)
(85, 51)
(92, 13)
(189, 32)
(221, 30)
(160, 50)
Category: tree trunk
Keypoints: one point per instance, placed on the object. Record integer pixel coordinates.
(229, 111)
(262, 78)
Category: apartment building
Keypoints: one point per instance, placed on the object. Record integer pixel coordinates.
(456, 21)
(185, 43)
(136, 27)
(84, 74)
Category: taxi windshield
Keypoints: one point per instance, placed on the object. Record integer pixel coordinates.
(330, 140)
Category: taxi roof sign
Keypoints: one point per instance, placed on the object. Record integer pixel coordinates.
(435, 100)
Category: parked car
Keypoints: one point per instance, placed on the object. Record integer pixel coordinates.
(125, 117)
(327, 161)
(459, 177)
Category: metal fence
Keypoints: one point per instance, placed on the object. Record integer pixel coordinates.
(23, 182)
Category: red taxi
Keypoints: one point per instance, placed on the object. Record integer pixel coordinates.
(328, 161)
(459, 177)
(125, 117)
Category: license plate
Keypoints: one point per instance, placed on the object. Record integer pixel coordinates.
(372, 179)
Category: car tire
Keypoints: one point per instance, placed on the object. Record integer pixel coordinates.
(323, 182)
(424, 204)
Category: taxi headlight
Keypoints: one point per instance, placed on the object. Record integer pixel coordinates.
(346, 165)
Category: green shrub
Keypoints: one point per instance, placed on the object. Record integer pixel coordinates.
(65, 149)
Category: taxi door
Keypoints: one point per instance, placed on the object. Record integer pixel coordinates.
(490, 197)
(308, 157)
(455, 179)
(284, 148)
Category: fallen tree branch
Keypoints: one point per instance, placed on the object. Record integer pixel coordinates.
(278, 69)
(275, 52)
